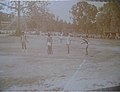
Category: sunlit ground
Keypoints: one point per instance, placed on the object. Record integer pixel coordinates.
(33, 69)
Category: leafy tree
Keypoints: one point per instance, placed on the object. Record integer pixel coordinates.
(43, 19)
(83, 15)
(108, 18)
(24, 7)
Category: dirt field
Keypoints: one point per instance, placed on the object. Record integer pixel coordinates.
(34, 70)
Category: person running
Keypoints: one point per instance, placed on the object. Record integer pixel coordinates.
(68, 42)
(49, 44)
(85, 41)
(23, 40)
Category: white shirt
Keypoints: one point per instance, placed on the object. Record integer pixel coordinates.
(68, 40)
(23, 38)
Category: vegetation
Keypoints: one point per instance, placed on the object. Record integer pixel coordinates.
(108, 18)
(84, 16)
(87, 18)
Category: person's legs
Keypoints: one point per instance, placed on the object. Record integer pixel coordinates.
(68, 48)
(48, 50)
(51, 51)
(60, 40)
(87, 49)
(22, 45)
(25, 46)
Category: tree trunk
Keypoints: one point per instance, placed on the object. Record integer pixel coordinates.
(18, 23)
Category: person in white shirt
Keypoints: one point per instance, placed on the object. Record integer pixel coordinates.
(49, 44)
(68, 42)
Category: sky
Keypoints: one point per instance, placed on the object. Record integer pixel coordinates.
(62, 8)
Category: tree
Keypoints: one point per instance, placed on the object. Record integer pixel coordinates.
(5, 17)
(83, 15)
(41, 16)
(108, 18)
(22, 7)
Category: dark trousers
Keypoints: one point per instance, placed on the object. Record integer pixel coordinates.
(68, 48)
(87, 49)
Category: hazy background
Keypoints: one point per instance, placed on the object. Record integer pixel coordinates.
(62, 8)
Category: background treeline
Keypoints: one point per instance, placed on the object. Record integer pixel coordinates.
(87, 18)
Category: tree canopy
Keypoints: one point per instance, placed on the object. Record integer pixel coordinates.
(87, 17)
(108, 18)
(83, 15)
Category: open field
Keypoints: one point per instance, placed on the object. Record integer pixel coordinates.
(33, 69)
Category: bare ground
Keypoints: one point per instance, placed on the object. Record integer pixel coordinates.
(33, 69)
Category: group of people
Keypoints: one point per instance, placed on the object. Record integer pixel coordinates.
(68, 43)
(50, 42)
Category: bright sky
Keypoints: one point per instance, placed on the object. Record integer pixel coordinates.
(62, 8)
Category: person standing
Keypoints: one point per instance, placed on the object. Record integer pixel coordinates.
(68, 42)
(85, 41)
(23, 40)
(49, 44)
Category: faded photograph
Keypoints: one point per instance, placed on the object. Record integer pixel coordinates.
(59, 45)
